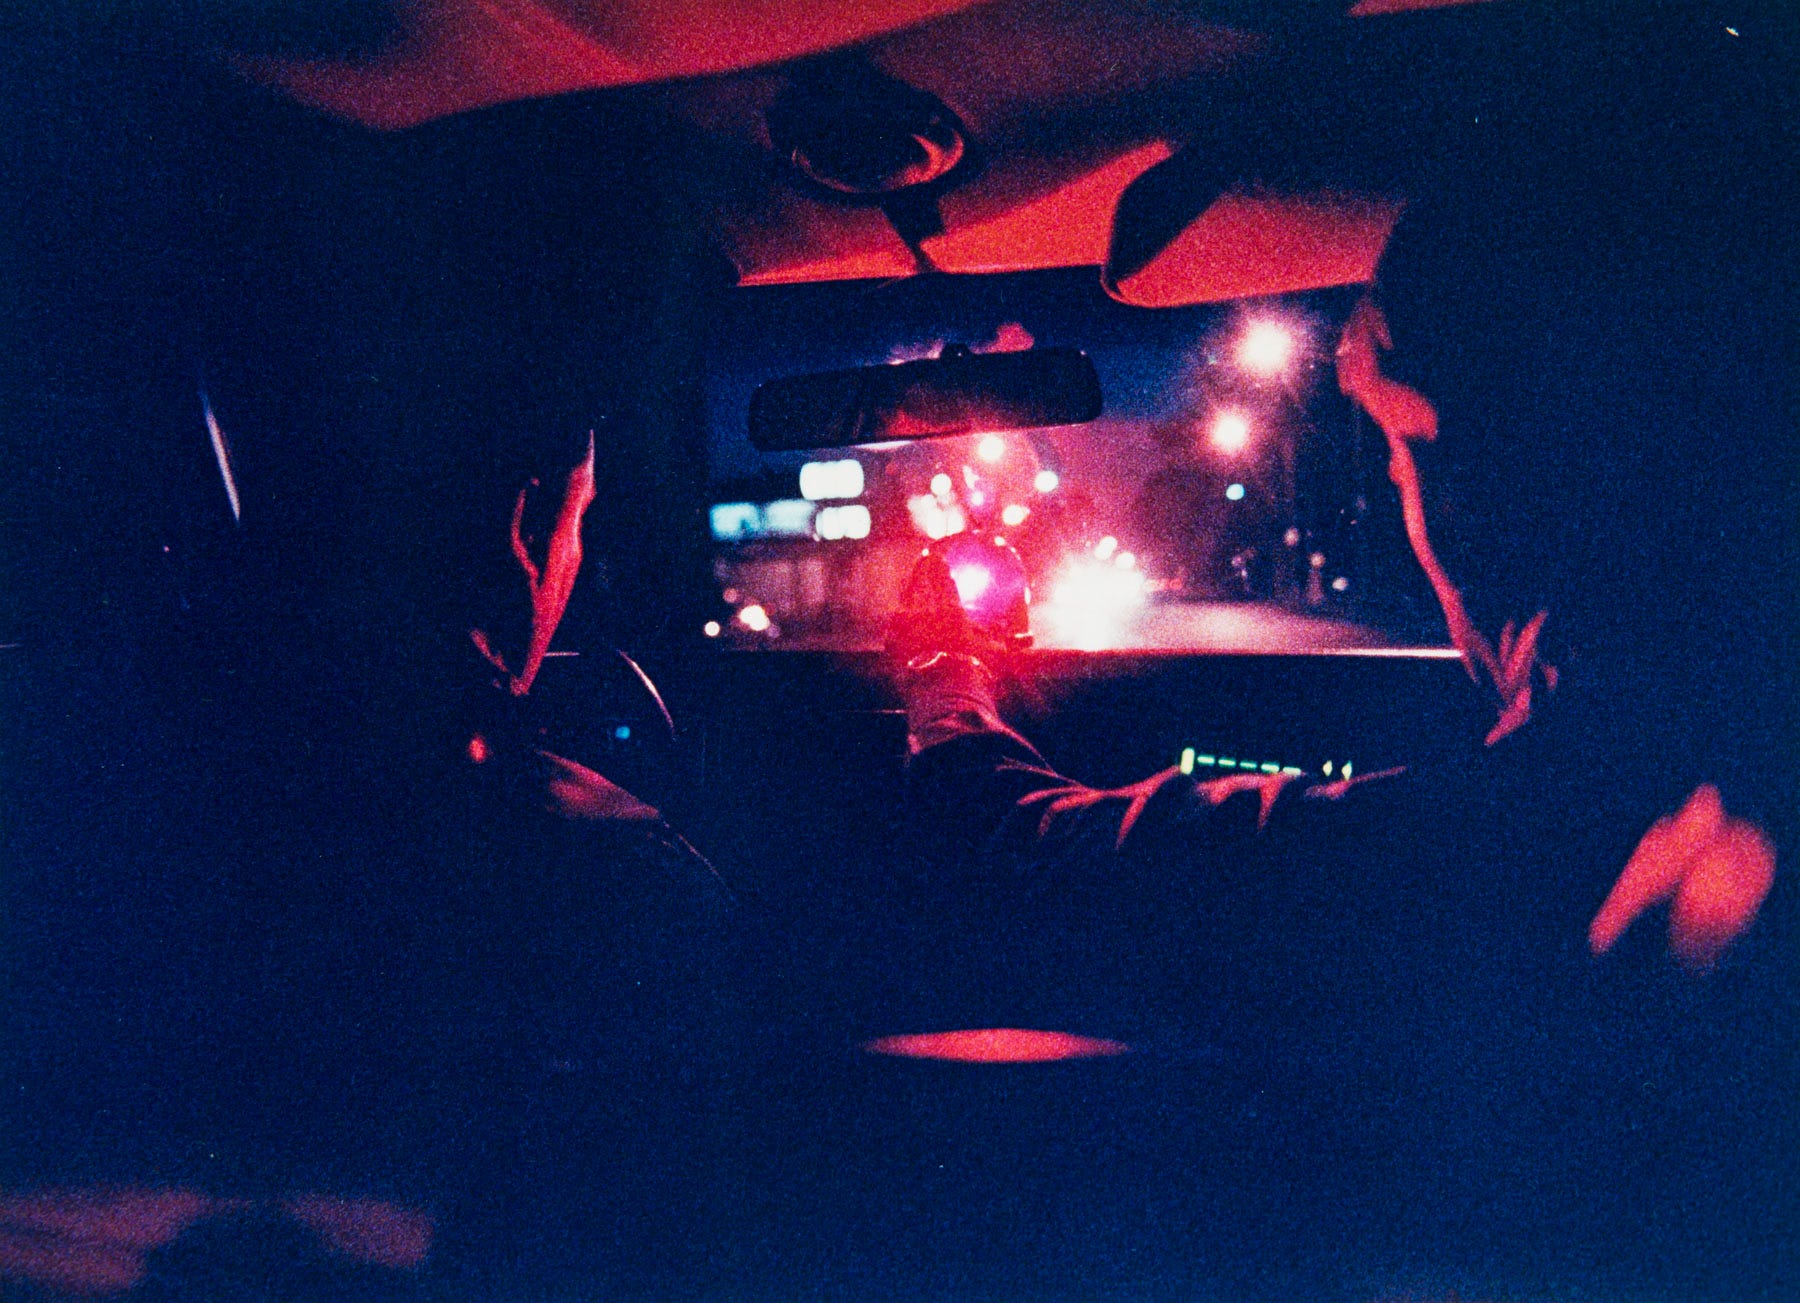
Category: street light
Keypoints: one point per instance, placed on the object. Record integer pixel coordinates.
(1265, 348)
(1230, 432)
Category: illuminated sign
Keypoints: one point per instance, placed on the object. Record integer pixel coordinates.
(821, 480)
(842, 522)
(740, 522)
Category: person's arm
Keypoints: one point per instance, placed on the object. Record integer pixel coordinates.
(1716, 870)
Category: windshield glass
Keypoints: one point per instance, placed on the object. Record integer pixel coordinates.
(1228, 498)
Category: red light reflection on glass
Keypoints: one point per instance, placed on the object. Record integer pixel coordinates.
(996, 1045)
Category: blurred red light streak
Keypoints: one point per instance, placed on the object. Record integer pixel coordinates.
(996, 1045)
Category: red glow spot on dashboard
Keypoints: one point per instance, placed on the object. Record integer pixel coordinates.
(996, 1045)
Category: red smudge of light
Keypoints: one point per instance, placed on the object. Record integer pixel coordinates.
(1374, 8)
(93, 1241)
(1012, 337)
(478, 750)
(1722, 893)
(369, 1230)
(138, 1218)
(70, 1266)
(996, 1045)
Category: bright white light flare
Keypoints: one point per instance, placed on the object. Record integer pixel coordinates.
(971, 582)
(1230, 432)
(843, 522)
(1265, 348)
(831, 479)
(933, 518)
(1089, 605)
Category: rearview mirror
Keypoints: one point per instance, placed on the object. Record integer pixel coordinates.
(958, 393)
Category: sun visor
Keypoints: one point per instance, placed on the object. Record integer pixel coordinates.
(1248, 243)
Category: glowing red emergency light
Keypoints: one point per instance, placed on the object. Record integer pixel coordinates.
(996, 1045)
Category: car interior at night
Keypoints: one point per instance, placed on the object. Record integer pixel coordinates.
(920, 649)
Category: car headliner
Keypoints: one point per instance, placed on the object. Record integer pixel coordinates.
(1071, 103)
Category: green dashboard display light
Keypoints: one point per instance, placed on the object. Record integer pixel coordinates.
(1192, 759)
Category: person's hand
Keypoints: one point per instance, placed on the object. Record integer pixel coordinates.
(1514, 667)
(1401, 411)
(1716, 870)
(1406, 415)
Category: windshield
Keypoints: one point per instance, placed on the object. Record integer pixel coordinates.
(1228, 498)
